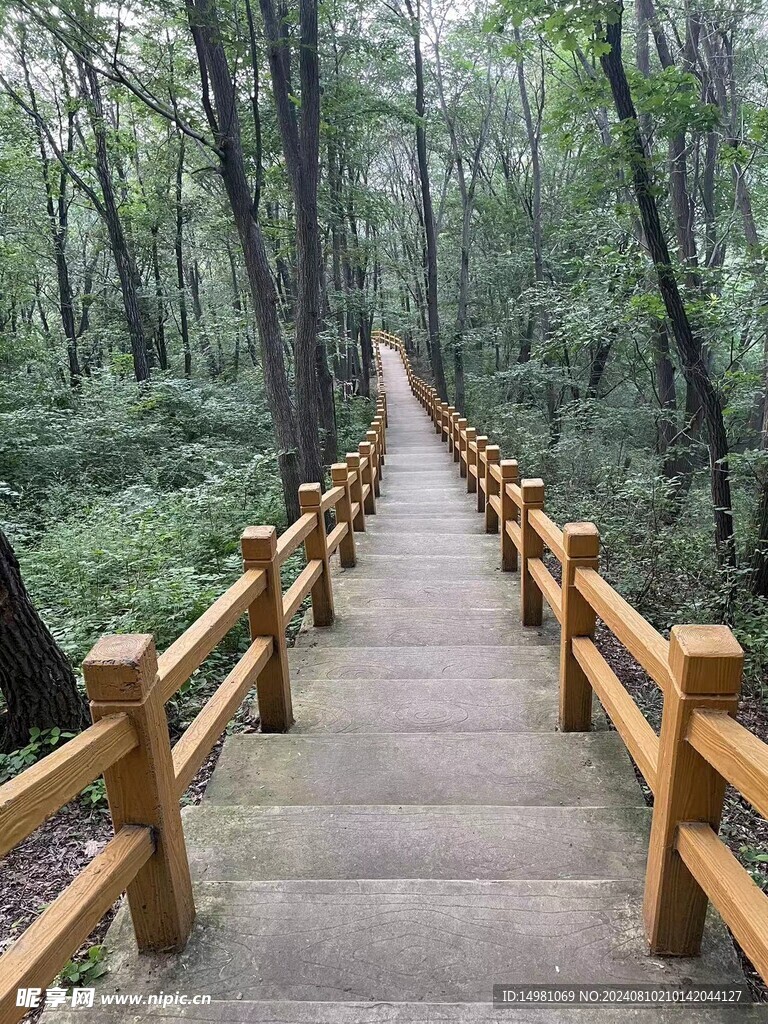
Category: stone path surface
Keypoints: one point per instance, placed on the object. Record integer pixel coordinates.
(423, 832)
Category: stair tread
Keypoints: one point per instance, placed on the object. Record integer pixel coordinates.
(575, 769)
(246, 843)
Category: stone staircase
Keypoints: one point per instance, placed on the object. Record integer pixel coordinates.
(423, 832)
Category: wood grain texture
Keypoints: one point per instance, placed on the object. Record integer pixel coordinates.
(201, 735)
(191, 649)
(644, 643)
(547, 585)
(40, 791)
(301, 586)
(290, 539)
(549, 532)
(740, 902)
(34, 960)
(734, 752)
(640, 739)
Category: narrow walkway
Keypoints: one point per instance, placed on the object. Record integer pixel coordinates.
(423, 832)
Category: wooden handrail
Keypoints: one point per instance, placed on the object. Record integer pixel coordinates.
(331, 498)
(199, 737)
(639, 738)
(300, 588)
(734, 752)
(547, 585)
(36, 957)
(644, 643)
(336, 536)
(194, 645)
(549, 532)
(40, 791)
(739, 901)
(290, 539)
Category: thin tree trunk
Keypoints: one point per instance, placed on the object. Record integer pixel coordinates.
(179, 251)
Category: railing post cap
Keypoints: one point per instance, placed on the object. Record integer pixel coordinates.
(462, 422)
(532, 490)
(581, 540)
(471, 433)
(509, 469)
(371, 436)
(258, 543)
(121, 668)
(705, 659)
(353, 459)
(364, 448)
(493, 453)
(310, 495)
(482, 440)
(339, 472)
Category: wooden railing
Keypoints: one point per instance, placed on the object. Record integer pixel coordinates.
(701, 747)
(128, 743)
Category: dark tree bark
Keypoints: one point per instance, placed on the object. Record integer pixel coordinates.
(430, 234)
(225, 124)
(301, 148)
(127, 271)
(691, 355)
(178, 246)
(36, 678)
(160, 343)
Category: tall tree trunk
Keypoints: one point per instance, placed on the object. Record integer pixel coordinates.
(225, 124)
(178, 246)
(691, 356)
(36, 678)
(162, 348)
(430, 234)
(127, 271)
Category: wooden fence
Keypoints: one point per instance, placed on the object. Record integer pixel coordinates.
(701, 747)
(128, 743)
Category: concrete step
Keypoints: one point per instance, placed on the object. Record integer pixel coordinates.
(351, 594)
(436, 545)
(434, 705)
(509, 769)
(280, 1012)
(383, 525)
(430, 568)
(406, 940)
(258, 844)
(530, 663)
(438, 628)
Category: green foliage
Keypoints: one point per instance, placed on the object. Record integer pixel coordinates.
(84, 971)
(41, 742)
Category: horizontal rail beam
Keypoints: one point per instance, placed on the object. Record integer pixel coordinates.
(191, 649)
(513, 490)
(548, 586)
(34, 960)
(637, 734)
(301, 586)
(644, 643)
(288, 541)
(733, 751)
(739, 901)
(44, 788)
(549, 532)
(495, 502)
(331, 498)
(336, 536)
(198, 739)
(514, 531)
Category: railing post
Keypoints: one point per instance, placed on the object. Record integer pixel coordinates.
(367, 474)
(372, 438)
(316, 548)
(441, 421)
(356, 490)
(581, 546)
(378, 426)
(340, 478)
(448, 420)
(265, 616)
(461, 425)
(482, 444)
(705, 663)
(492, 458)
(532, 492)
(471, 460)
(509, 474)
(435, 409)
(121, 678)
